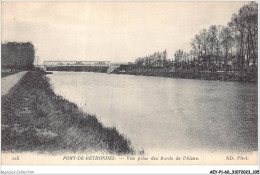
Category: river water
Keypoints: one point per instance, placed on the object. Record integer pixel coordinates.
(167, 114)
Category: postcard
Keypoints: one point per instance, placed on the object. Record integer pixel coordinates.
(129, 83)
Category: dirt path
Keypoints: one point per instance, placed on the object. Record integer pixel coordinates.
(9, 81)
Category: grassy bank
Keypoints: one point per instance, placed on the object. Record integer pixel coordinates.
(34, 118)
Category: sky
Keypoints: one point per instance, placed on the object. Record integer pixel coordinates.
(110, 31)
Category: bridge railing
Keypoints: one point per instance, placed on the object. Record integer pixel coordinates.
(76, 63)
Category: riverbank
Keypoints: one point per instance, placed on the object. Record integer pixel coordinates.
(201, 75)
(34, 118)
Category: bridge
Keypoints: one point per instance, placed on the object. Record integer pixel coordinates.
(101, 66)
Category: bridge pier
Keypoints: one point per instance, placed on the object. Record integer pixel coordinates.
(111, 68)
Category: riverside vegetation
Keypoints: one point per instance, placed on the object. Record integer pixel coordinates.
(218, 53)
(34, 118)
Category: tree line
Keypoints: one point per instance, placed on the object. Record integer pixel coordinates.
(158, 59)
(17, 54)
(234, 46)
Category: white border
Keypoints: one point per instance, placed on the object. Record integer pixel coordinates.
(131, 169)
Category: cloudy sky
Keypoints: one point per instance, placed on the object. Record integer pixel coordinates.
(114, 31)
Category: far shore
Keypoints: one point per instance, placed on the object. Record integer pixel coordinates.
(199, 75)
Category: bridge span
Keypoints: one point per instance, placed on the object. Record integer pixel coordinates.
(87, 66)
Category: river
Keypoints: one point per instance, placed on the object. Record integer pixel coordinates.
(167, 114)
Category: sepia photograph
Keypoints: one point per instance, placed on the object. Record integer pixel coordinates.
(129, 83)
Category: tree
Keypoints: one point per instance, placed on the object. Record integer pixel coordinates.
(17, 55)
(178, 55)
(244, 25)
(226, 41)
(164, 57)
